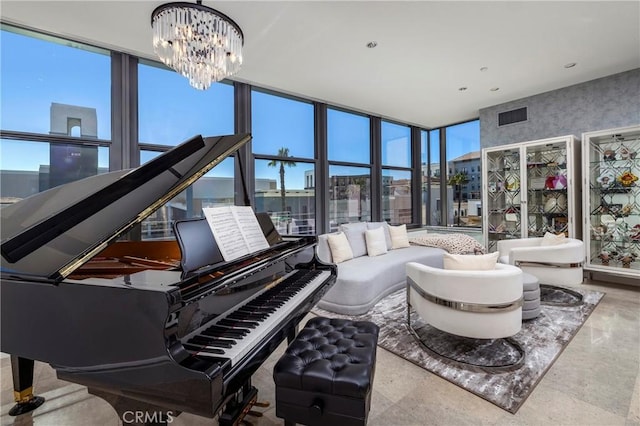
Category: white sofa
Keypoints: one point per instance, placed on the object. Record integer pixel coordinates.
(364, 280)
(552, 264)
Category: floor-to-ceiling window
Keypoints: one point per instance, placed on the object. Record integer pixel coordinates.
(284, 150)
(396, 173)
(55, 112)
(349, 154)
(464, 185)
(170, 111)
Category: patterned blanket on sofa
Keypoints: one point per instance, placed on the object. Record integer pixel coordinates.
(452, 243)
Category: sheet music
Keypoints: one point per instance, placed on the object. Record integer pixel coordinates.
(236, 230)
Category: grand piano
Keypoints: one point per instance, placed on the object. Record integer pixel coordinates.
(153, 326)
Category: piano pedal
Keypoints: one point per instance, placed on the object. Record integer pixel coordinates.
(235, 412)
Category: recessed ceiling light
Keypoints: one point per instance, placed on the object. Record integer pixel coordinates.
(483, 69)
(462, 89)
(570, 65)
(494, 89)
(372, 44)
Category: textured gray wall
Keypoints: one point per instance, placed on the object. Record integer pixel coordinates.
(605, 103)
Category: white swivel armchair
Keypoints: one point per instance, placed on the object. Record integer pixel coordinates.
(556, 264)
(477, 304)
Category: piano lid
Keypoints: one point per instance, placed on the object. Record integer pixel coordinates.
(52, 233)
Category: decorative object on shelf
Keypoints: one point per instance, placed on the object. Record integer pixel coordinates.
(606, 179)
(537, 182)
(556, 182)
(555, 203)
(627, 178)
(626, 210)
(634, 233)
(627, 153)
(626, 259)
(609, 155)
(200, 43)
(513, 186)
(599, 232)
(549, 183)
(605, 257)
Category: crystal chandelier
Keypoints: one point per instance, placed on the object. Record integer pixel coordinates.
(200, 43)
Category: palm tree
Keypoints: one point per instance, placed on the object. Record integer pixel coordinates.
(457, 181)
(284, 154)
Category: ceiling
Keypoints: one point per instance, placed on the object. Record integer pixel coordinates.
(426, 50)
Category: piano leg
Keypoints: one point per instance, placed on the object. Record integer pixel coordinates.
(26, 401)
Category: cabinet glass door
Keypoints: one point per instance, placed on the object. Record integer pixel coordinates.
(613, 201)
(546, 182)
(503, 196)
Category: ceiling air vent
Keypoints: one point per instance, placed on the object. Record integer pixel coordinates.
(513, 116)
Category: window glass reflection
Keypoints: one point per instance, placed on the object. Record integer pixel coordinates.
(286, 190)
(170, 111)
(464, 174)
(349, 195)
(433, 178)
(27, 168)
(348, 137)
(54, 86)
(396, 145)
(278, 122)
(215, 188)
(396, 196)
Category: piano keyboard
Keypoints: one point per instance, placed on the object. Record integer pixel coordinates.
(235, 333)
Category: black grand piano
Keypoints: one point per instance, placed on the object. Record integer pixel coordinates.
(147, 325)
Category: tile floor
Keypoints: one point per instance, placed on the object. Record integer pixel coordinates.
(595, 381)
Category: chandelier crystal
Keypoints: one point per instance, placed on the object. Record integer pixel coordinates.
(200, 43)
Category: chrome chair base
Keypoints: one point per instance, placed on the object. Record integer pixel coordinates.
(484, 355)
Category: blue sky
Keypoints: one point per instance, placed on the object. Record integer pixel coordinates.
(35, 73)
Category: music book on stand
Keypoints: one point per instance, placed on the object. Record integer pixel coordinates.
(236, 230)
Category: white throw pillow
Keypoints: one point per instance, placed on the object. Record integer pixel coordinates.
(470, 262)
(385, 226)
(340, 248)
(550, 239)
(399, 237)
(376, 243)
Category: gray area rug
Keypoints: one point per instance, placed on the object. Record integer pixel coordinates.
(542, 338)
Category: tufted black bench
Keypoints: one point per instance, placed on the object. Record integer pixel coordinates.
(326, 374)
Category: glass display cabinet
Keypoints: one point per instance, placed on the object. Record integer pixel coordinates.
(528, 189)
(611, 200)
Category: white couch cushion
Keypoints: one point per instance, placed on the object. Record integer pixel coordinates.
(399, 237)
(376, 243)
(340, 248)
(470, 262)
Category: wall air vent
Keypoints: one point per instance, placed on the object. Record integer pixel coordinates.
(513, 116)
